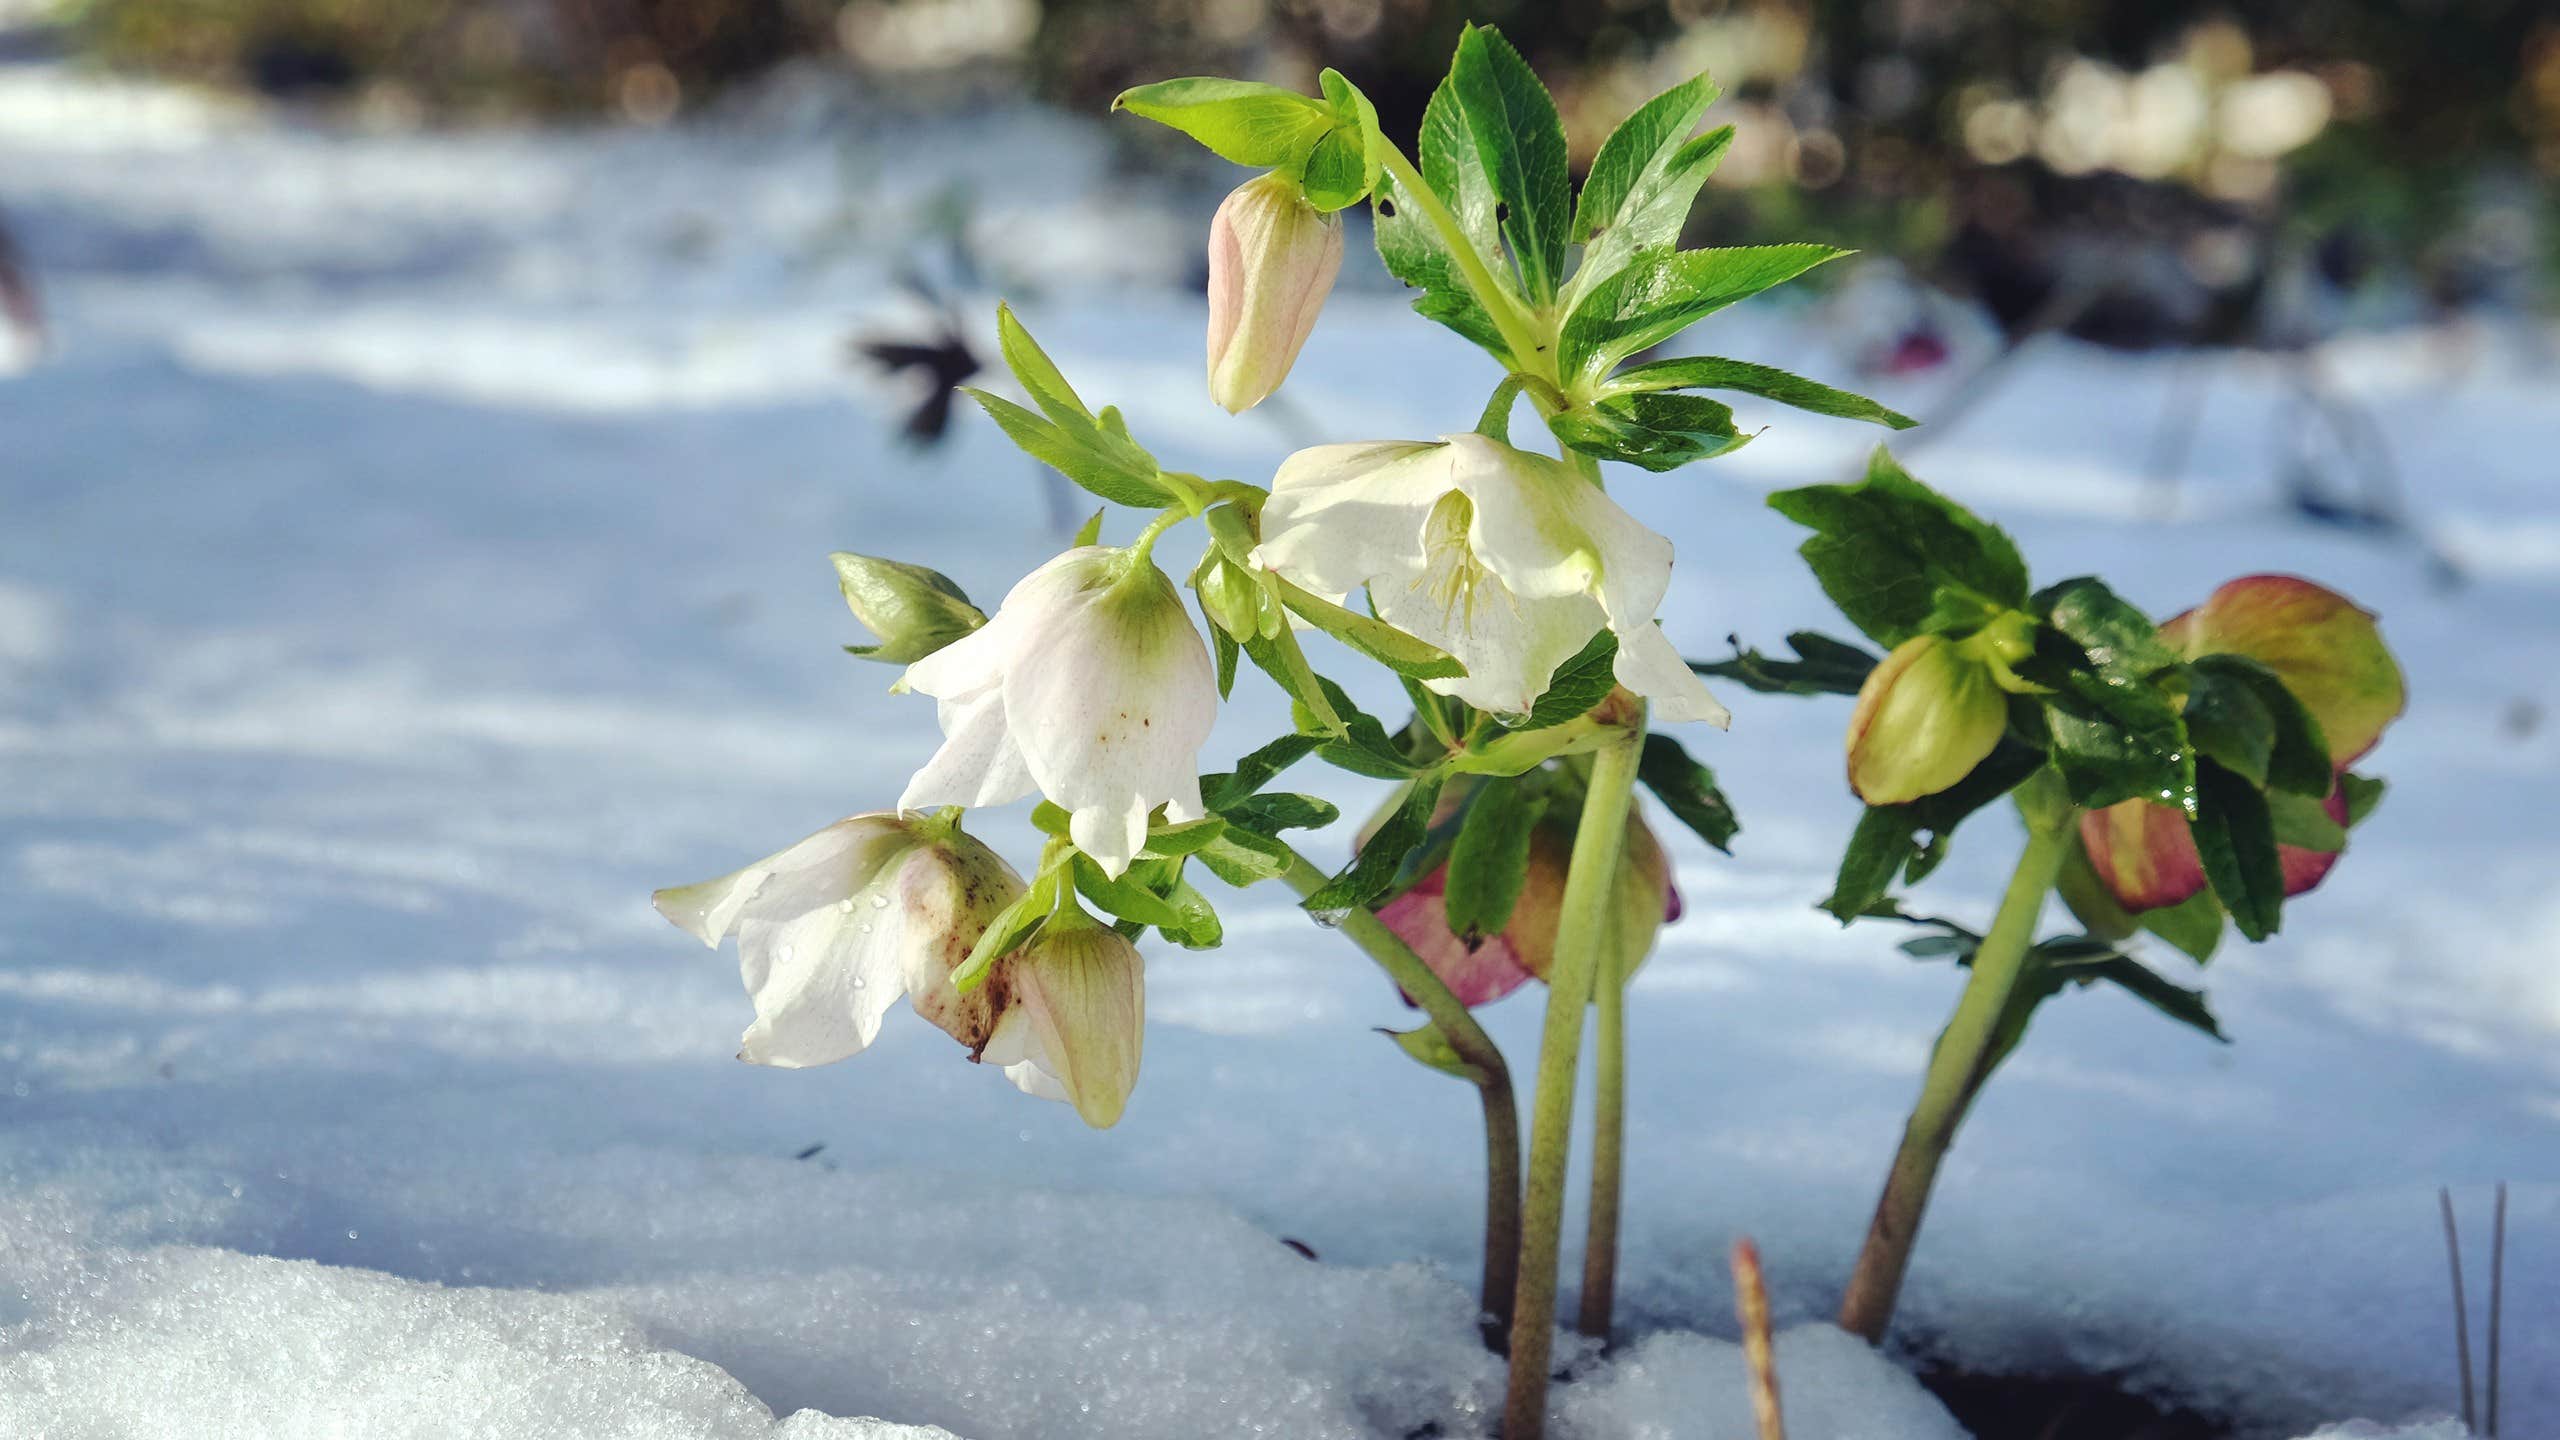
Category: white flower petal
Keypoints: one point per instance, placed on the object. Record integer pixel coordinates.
(1526, 527)
(1341, 516)
(1111, 717)
(1649, 665)
(709, 911)
(821, 981)
(979, 764)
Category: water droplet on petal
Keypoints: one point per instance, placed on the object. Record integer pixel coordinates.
(879, 902)
(845, 906)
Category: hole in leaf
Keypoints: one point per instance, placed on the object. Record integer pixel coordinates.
(1387, 208)
(1502, 212)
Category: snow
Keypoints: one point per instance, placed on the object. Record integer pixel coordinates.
(414, 552)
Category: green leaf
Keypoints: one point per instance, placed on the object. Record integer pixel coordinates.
(1578, 684)
(1370, 636)
(1374, 869)
(1644, 181)
(1884, 548)
(2114, 738)
(1410, 245)
(1126, 897)
(1010, 930)
(1688, 790)
(1227, 650)
(1166, 842)
(1106, 475)
(1489, 863)
(1239, 120)
(2121, 642)
(2305, 823)
(1823, 666)
(2236, 837)
(1363, 747)
(2297, 757)
(2193, 926)
(1707, 372)
(1278, 656)
(1519, 140)
(1254, 771)
(2230, 723)
(1271, 814)
(1888, 841)
(1663, 292)
(1433, 1049)
(1241, 858)
(1656, 432)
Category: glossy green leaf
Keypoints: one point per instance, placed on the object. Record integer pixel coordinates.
(1688, 790)
(1239, 120)
(1663, 292)
(2235, 836)
(1655, 432)
(1489, 861)
(1578, 684)
(1374, 869)
(1410, 245)
(1884, 548)
(1707, 372)
(1519, 140)
(2193, 926)
(1909, 839)
(1370, 636)
(2297, 758)
(1823, 666)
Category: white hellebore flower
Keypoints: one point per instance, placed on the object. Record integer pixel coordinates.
(1090, 686)
(1509, 561)
(832, 931)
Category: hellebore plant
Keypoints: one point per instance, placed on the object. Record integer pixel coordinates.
(2173, 778)
(1511, 595)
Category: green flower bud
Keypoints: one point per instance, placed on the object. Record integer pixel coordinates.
(1926, 716)
(913, 610)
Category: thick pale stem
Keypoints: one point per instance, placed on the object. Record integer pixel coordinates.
(1581, 933)
(1501, 1111)
(1956, 1071)
(1528, 354)
(1608, 1156)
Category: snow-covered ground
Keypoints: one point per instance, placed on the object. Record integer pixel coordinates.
(413, 552)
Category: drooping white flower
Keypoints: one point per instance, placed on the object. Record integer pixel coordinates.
(1272, 261)
(832, 931)
(1091, 686)
(1509, 561)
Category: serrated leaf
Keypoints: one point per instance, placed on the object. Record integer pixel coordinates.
(1519, 140)
(1823, 666)
(1410, 246)
(1663, 292)
(1489, 861)
(2235, 837)
(1238, 120)
(2114, 738)
(1255, 770)
(2297, 758)
(2229, 723)
(2120, 641)
(1271, 814)
(1885, 547)
(1166, 842)
(1654, 432)
(1374, 869)
(1242, 858)
(1644, 180)
(1688, 790)
(1433, 1049)
(2193, 926)
(1708, 372)
(1050, 444)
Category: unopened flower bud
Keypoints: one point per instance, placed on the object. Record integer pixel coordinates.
(1272, 260)
(1489, 967)
(1925, 717)
(914, 611)
(1071, 1017)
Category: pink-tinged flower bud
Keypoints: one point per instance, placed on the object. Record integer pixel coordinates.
(1925, 717)
(1272, 259)
(1072, 1021)
(2330, 654)
(2327, 651)
(1493, 966)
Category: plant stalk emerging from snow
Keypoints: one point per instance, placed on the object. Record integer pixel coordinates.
(1580, 938)
(1963, 1059)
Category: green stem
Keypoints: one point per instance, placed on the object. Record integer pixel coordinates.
(1581, 932)
(1608, 1156)
(1959, 1065)
(1518, 332)
(1458, 1026)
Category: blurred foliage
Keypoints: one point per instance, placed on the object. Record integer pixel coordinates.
(640, 57)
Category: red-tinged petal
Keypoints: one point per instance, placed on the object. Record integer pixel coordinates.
(2143, 853)
(1477, 976)
(2326, 650)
